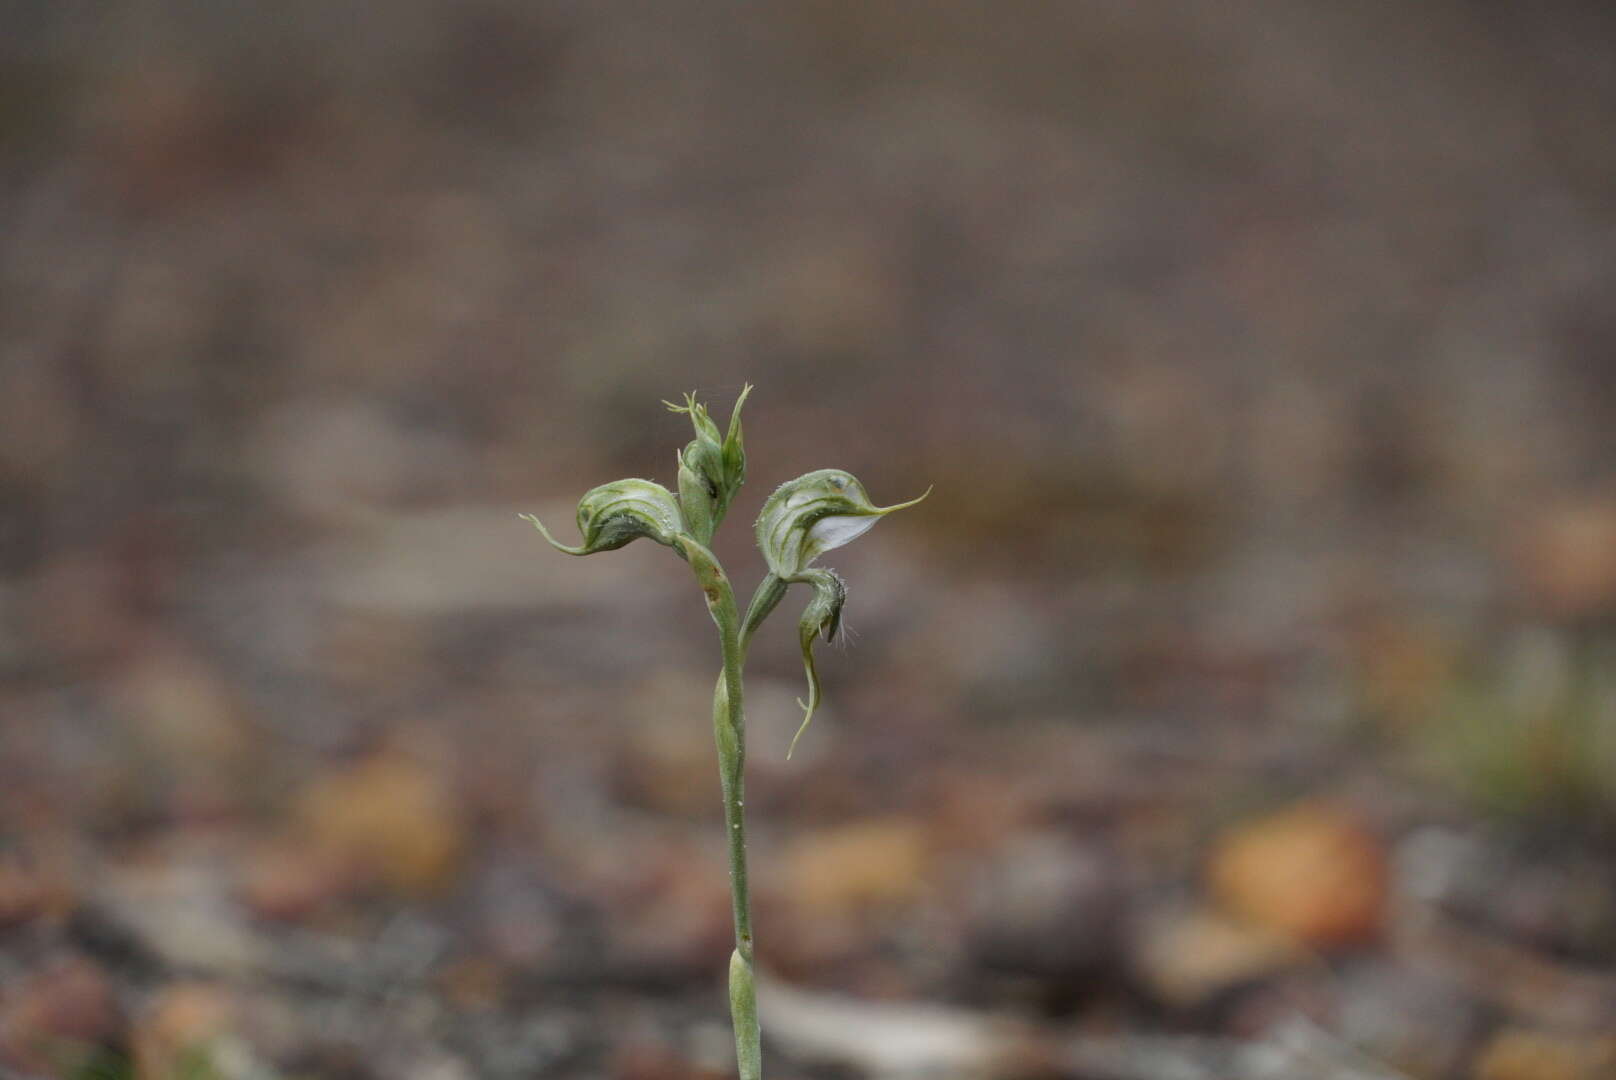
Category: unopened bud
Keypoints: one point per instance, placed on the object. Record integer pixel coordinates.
(712, 467)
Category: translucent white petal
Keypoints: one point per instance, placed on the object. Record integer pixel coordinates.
(838, 529)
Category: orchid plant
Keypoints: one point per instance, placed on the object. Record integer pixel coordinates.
(803, 519)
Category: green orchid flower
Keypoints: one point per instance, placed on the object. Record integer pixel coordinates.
(613, 514)
(815, 513)
(806, 517)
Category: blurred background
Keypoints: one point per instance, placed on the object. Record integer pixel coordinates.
(1242, 703)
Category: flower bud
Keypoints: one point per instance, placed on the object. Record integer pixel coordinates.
(614, 514)
(711, 467)
(813, 514)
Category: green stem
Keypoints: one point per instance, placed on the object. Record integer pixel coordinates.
(729, 732)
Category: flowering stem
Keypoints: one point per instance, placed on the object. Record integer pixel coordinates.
(729, 732)
(803, 519)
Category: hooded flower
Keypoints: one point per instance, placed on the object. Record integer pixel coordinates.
(805, 518)
(614, 514)
(813, 514)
